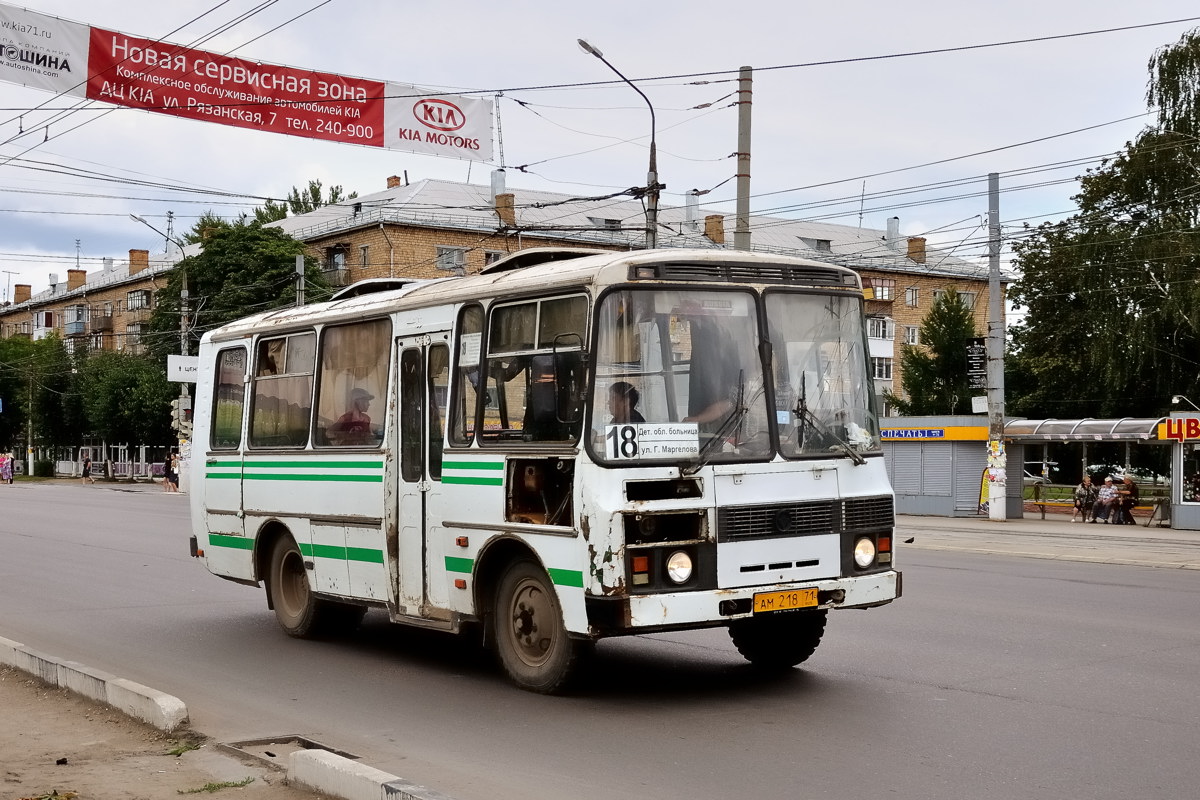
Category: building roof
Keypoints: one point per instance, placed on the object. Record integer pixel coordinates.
(621, 221)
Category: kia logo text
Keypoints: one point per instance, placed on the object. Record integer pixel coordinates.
(441, 115)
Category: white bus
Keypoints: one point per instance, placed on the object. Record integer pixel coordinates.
(568, 446)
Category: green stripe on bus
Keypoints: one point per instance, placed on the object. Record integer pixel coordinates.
(296, 476)
(472, 465)
(455, 564)
(237, 475)
(315, 464)
(566, 577)
(235, 542)
(472, 481)
(363, 554)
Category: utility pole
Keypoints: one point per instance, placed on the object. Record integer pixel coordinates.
(299, 280)
(997, 457)
(741, 231)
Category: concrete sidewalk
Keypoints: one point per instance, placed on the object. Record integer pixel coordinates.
(1055, 537)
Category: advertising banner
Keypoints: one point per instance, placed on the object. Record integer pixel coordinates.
(68, 58)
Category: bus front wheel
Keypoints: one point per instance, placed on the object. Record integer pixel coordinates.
(528, 633)
(780, 641)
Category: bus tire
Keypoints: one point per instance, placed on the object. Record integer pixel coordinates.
(531, 641)
(298, 612)
(781, 641)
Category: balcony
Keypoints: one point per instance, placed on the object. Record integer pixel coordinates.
(102, 324)
(74, 328)
(134, 315)
(337, 277)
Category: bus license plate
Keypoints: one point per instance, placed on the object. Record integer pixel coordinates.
(785, 601)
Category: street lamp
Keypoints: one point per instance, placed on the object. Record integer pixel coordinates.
(1176, 399)
(652, 186)
(184, 321)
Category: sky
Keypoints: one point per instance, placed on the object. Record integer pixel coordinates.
(853, 142)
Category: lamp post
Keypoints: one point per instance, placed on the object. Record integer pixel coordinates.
(652, 186)
(184, 321)
(185, 399)
(1176, 399)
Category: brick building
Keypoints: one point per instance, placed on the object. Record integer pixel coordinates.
(437, 228)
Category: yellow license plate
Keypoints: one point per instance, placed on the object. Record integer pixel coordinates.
(785, 601)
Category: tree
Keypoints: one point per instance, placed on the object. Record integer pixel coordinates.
(934, 374)
(127, 397)
(245, 268)
(300, 201)
(1113, 304)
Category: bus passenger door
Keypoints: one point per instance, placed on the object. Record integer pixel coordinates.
(423, 369)
(221, 480)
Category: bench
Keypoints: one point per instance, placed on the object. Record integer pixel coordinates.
(1159, 508)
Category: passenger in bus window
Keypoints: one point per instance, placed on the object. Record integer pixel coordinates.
(354, 427)
(622, 403)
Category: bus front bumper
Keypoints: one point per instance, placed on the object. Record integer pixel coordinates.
(611, 616)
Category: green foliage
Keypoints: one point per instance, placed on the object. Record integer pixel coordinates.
(216, 786)
(1113, 305)
(43, 468)
(934, 379)
(301, 201)
(245, 268)
(127, 397)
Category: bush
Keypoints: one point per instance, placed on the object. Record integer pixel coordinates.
(43, 468)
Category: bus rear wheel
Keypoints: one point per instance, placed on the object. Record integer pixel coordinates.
(297, 610)
(780, 641)
(531, 641)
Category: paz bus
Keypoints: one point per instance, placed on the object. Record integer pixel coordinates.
(567, 446)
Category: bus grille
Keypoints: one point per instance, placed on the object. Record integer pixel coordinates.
(753, 273)
(744, 523)
(868, 513)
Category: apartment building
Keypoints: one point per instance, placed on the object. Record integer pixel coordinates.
(435, 228)
(106, 309)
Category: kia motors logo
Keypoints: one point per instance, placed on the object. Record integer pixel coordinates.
(441, 115)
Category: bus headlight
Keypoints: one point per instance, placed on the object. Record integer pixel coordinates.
(679, 566)
(864, 552)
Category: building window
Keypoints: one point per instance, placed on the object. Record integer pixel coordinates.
(606, 223)
(133, 338)
(881, 369)
(452, 258)
(881, 328)
(820, 245)
(881, 288)
(912, 295)
(912, 335)
(492, 256)
(969, 299)
(364, 260)
(138, 299)
(96, 341)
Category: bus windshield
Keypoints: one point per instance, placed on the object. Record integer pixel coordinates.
(679, 377)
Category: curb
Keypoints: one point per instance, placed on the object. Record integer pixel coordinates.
(315, 770)
(163, 711)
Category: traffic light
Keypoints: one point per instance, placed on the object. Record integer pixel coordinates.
(176, 413)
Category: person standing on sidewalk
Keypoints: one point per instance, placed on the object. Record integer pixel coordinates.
(1085, 498)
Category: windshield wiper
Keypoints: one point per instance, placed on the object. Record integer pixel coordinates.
(730, 423)
(807, 418)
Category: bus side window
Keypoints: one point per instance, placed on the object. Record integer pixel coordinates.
(468, 377)
(352, 395)
(439, 377)
(412, 391)
(229, 397)
(283, 384)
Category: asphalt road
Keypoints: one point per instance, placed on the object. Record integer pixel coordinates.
(994, 677)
